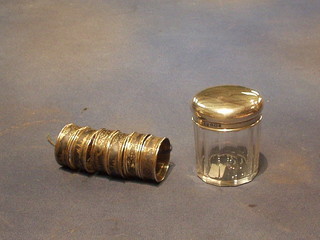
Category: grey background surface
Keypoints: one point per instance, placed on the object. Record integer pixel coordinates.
(135, 66)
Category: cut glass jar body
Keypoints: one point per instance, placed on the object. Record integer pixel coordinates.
(227, 158)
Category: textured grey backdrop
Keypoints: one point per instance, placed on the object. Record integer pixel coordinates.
(135, 65)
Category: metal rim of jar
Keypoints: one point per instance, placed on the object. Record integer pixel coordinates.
(223, 127)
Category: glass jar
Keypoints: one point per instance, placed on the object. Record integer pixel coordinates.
(227, 134)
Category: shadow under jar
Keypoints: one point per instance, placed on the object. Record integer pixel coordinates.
(227, 134)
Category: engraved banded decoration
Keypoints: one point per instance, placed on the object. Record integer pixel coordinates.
(113, 152)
